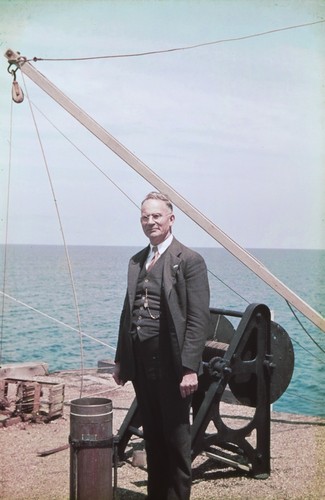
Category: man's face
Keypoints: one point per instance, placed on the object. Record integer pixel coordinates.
(156, 220)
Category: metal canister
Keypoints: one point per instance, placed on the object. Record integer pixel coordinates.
(91, 449)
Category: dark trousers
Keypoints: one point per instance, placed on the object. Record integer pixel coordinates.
(165, 422)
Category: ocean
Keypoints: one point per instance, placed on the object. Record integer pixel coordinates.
(39, 321)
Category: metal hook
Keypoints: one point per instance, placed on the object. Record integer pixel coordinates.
(17, 93)
(12, 71)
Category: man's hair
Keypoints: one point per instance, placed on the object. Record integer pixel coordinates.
(159, 196)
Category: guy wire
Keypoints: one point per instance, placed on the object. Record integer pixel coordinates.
(41, 313)
(74, 291)
(4, 279)
(133, 202)
(176, 49)
(69, 264)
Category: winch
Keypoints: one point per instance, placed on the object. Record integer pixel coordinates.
(254, 363)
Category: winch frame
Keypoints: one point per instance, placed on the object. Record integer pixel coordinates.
(247, 367)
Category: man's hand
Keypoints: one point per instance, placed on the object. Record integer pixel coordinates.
(189, 383)
(116, 374)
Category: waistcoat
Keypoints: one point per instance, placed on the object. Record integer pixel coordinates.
(146, 315)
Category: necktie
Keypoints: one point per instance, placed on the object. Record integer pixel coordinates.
(154, 258)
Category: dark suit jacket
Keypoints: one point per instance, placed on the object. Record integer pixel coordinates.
(186, 300)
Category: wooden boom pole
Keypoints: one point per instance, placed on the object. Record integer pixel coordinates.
(215, 232)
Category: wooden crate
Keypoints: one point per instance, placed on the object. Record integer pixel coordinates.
(31, 399)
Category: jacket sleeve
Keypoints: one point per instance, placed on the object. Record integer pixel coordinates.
(188, 304)
(198, 312)
(119, 340)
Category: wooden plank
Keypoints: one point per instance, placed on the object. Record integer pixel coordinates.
(37, 398)
(2, 388)
(214, 231)
(53, 450)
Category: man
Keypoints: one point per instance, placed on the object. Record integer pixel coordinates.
(163, 328)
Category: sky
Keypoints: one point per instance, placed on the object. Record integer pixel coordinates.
(237, 127)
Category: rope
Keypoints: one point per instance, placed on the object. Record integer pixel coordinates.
(302, 326)
(307, 350)
(4, 276)
(63, 238)
(301, 396)
(213, 274)
(120, 189)
(228, 286)
(101, 171)
(56, 320)
(67, 402)
(188, 47)
(87, 157)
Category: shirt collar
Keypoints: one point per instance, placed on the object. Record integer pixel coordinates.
(162, 247)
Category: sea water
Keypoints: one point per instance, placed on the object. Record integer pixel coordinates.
(40, 320)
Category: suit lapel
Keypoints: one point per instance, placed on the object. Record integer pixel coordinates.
(171, 265)
(133, 274)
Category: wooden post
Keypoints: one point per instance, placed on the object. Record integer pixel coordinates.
(215, 232)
